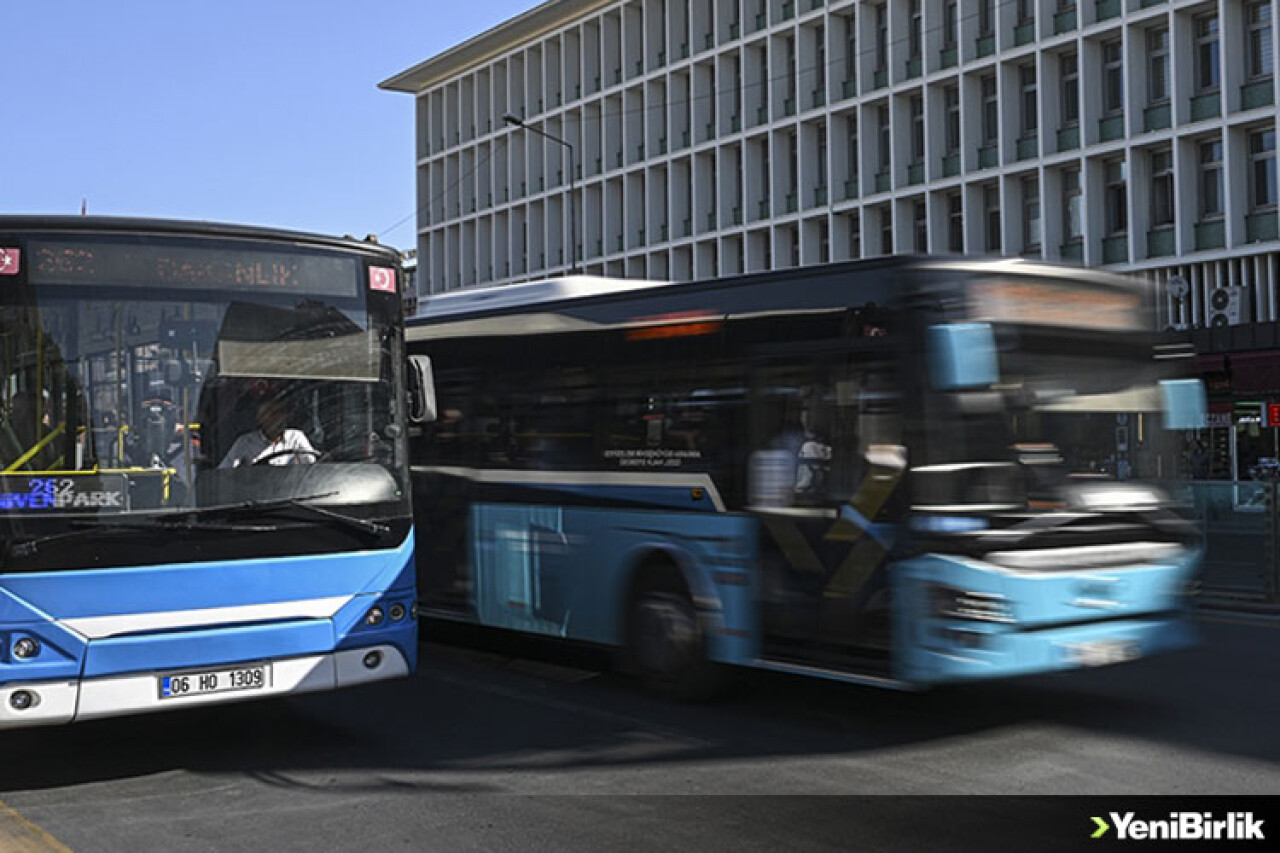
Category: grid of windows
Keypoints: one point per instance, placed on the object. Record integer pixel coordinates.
(723, 135)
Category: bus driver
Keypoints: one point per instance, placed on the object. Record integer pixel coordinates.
(271, 443)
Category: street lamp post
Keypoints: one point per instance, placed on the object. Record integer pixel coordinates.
(515, 121)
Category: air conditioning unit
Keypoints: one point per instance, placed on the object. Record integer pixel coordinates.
(1227, 306)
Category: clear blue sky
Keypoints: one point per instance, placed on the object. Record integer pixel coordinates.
(251, 111)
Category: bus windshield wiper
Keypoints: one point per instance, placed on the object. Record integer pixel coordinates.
(362, 525)
(190, 519)
(84, 528)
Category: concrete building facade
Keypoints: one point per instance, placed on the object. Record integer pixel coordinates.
(713, 137)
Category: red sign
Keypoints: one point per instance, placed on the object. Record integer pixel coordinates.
(382, 278)
(9, 259)
(1272, 415)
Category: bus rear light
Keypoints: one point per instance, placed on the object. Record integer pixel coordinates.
(26, 648)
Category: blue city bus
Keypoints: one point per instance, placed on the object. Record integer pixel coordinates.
(901, 471)
(145, 565)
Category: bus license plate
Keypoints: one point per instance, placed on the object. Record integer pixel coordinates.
(232, 679)
(1102, 653)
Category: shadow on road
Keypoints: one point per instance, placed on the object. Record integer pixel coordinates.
(468, 710)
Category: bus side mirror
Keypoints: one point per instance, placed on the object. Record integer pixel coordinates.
(1185, 404)
(962, 356)
(422, 390)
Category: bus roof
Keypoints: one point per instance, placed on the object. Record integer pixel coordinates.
(21, 224)
(558, 296)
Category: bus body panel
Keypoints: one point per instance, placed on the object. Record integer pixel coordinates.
(1057, 620)
(567, 571)
(121, 627)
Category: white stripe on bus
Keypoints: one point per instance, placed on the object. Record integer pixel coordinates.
(579, 478)
(100, 627)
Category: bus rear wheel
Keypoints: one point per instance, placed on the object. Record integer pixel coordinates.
(666, 646)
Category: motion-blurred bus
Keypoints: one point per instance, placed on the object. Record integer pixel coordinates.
(203, 478)
(900, 471)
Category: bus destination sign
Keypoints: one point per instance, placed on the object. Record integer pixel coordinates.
(166, 264)
(37, 493)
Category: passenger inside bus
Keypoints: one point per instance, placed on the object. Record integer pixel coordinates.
(272, 443)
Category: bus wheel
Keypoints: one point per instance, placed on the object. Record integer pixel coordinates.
(666, 647)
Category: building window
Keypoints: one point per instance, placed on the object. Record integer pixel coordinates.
(991, 215)
(915, 36)
(1026, 11)
(1211, 201)
(882, 37)
(1260, 49)
(886, 141)
(1161, 187)
(820, 63)
(821, 165)
(920, 216)
(1117, 205)
(793, 162)
(955, 223)
(1069, 66)
(1262, 169)
(1113, 77)
(951, 103)
(1027, 79)
(886, 230)
(1031, 225)
(986, 18)
(1072, 206)
(990, 111)
(855, 235)
(950, 10)
(1207, 46)
(1158, 65)
(851, 53)
(853, 148)
(917, 129)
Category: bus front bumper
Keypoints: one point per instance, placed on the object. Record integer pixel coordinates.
(956, 651)
(63, 701)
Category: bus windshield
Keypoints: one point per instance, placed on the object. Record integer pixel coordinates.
(1071, 403)
(235, 381)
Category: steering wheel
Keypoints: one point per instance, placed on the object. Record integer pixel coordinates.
(287, 451)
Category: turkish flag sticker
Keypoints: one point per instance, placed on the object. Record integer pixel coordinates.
(9, 261)
(382, 278)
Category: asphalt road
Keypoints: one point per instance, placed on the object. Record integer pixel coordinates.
(481, 750)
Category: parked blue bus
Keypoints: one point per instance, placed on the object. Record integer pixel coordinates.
(901, 471)
(203, 472)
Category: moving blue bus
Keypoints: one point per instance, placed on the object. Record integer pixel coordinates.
(901, 471)
(203, 474)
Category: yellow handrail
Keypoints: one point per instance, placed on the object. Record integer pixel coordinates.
(36, 448)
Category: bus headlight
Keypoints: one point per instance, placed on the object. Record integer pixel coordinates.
(26, 648)
(951, 603)
(374, 616)
(397, 612)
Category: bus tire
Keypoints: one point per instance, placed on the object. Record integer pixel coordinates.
(666, 647)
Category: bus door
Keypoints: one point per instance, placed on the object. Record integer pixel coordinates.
(825, 473)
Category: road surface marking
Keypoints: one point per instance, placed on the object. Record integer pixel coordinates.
(19, 835)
